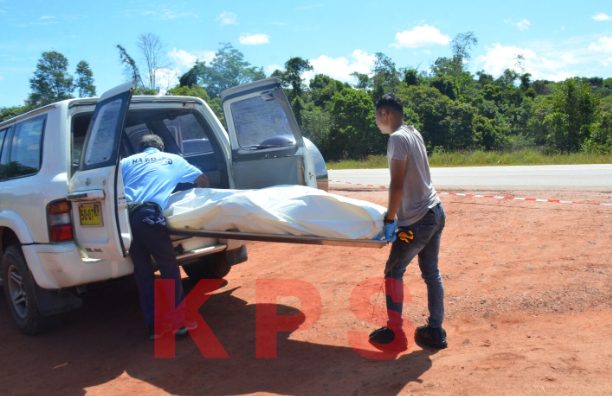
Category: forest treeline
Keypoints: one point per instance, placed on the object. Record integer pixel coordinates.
(454, 109)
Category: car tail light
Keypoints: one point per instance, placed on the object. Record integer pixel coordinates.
(59, 221)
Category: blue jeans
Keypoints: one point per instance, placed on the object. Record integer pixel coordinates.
(151, 239)
(423, 239)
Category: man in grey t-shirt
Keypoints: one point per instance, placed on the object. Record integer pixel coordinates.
(414, 222)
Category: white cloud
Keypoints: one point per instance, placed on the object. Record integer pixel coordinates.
(46, 18)
(553, 66)
(254, 39)
(523, 24)
(272, 68)
(185, 59)
(500, 58)
(166, 14)
(227, 18)
(340, 68)
(603, 44)
(420, 36)
(601, 17)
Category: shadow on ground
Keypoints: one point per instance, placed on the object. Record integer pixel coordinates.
(105, 339)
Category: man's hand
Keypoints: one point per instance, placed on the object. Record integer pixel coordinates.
(202, 181)
(389, 231)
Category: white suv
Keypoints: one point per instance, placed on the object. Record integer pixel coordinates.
(63, 213)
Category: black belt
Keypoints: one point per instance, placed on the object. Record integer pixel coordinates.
(134, 206)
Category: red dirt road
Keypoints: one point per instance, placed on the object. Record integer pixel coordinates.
(528, 300)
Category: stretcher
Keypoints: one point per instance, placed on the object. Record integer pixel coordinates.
(263, 237)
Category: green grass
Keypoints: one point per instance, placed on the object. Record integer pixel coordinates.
(483, 158)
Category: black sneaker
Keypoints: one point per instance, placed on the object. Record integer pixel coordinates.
(433, 337)
(167, 330)
(189, 325)
(387, 339)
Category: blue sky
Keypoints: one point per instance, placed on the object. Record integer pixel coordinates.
(556, 39)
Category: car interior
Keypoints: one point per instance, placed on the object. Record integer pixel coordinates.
(183, 132)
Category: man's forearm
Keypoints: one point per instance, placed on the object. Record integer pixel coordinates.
(396, 187)
(395, 200)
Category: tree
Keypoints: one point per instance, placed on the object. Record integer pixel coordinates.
(226, 70)
(193, 90)
(450, 72)
(538, 129)
(292, 76)
(461, 45)
(190, 78)
(386, 77)
(353, 133)
(130, 67)
(316, 125)
(431, 108)
(486, 134)
(12, 111)
(363, 81)
(600, 140)
(459, 123)
(573, 115)
(151, 48)
(51, 81)
(84, 81)
(411, 77)
(454, 66)
(323, 88)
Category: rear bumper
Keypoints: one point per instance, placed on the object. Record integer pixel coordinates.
(56, 266)
(61, 265)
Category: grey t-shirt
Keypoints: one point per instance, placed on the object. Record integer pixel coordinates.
(419, 196)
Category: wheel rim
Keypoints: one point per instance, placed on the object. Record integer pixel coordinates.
(17, 292)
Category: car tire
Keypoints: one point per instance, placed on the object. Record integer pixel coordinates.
(20, 293)
(214, 266)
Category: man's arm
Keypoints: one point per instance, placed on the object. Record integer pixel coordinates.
(202, 180)
(396, 187)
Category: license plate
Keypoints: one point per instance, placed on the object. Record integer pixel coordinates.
(90, 214)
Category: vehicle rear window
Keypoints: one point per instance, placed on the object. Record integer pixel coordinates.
(181, 131)
(80, 123)
(23, 153)
(260, 121)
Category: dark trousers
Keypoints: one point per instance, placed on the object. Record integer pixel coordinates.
(420, 239)
(151, 239)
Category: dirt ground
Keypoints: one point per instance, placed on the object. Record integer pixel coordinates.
(528, 301)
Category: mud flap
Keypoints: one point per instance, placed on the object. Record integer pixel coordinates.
(53, 302)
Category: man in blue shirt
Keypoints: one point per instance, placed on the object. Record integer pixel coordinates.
(149, 178)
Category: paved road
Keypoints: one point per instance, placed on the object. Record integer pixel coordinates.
(580, 177)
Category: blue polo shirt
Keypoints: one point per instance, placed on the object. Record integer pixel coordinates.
(152, 175)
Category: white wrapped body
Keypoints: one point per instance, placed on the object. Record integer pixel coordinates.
(279, 210)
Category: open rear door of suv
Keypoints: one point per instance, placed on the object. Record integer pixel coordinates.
(267, 145)
(96, 190)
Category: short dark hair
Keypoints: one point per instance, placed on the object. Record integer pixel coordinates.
(151, 140)
(390, 101)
